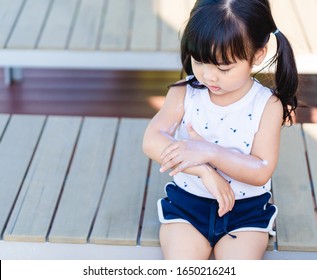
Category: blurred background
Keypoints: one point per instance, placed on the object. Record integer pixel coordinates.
(117, 57)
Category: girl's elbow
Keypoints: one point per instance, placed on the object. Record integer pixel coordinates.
(147, 151)
(261, 179)
(260, 183)
(148, 147)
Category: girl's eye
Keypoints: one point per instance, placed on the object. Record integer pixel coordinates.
(224, 70)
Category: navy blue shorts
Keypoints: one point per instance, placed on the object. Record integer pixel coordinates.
(250, 214)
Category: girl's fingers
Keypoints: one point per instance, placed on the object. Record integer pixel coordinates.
(221, 206)
(169, 157)
(226, 203)
(180, 168)
(170, 164)
(192, 133)
(169, 149)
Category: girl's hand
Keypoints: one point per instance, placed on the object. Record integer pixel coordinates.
(220, 189)
(193, 134)
(184, 154)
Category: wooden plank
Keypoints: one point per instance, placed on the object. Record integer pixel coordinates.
(9, 13)
(85, 181)
(289, 24)
(29, 24)
(31, 217)
(296, 222)
(151, 224)
(172, 22)
(145, 26)
(308, 19)
(87, 26)
(310, 132)
(116, 30)
(16, 150)
(117, 221)
(58, 25)
(3, 122)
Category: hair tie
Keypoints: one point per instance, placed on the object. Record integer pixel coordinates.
(276, 31)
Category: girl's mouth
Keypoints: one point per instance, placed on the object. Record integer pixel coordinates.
(213, 88)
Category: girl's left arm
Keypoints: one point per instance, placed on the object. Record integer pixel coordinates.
(254, 169)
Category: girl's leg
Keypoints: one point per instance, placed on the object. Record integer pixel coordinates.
(249, 245)
(183, 241)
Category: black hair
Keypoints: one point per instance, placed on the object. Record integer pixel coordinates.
(227, 30)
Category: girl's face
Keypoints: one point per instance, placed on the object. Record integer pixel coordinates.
(226, 83)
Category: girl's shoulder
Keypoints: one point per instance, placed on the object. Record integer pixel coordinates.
(268, 97)
(263, 95)
(182, 91)
(177, 91)
(272, 111)
(274, 104)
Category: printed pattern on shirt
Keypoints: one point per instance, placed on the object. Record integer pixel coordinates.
(231, 127)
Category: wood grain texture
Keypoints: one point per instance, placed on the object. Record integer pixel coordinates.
(310, 133)
(145, 26)
(3, 122)
(17, 146)
(87, 26)
(119, 215)
(85, 181)
(29, 24)
(116, 26)
(296, 222)
(31, 217)
(9, 12)
(151, 224)
(59, 25)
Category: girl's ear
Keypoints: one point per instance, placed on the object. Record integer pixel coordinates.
(260, 56)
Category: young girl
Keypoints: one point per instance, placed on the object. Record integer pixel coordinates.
(219, 131)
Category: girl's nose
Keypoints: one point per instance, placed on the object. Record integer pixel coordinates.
(209, 74)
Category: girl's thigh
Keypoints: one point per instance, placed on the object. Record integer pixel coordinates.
(249, 245)
(181, 241)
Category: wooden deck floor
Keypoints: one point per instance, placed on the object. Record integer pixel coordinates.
(60, 185)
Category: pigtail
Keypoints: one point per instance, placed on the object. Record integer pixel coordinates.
(286, 76)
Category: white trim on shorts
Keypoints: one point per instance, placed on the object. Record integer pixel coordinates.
(161, 216)
(160, 210)
(268, 229)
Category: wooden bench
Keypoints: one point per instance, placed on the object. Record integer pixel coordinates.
(122, 34)
(83, 184)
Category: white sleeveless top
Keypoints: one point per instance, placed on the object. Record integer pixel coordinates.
(232, 127)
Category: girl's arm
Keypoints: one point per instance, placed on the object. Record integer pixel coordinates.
(159, 134)
(255, 169)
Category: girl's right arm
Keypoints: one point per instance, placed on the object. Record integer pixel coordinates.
(159, 134)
